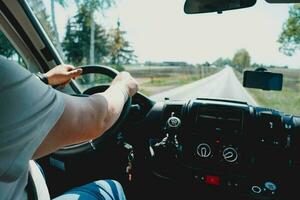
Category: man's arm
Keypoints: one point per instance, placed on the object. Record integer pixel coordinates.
(86, 118)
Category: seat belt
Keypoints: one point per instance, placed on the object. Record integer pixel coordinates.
(38, 189)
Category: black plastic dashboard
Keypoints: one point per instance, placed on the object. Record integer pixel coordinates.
(211, 149)
(229, 146)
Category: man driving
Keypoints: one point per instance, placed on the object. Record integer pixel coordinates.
(37, 120)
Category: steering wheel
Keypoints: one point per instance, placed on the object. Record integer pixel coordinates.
(92, 145)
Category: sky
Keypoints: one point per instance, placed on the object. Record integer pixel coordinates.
(159, 30)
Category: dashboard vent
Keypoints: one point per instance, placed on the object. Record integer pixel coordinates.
(220, 119)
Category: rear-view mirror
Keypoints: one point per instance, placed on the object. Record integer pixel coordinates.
(263, 80)
(205, 6)
(283, 1)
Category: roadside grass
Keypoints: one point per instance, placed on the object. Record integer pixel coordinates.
(287, 100)
(154, 79)
(158, 79)
(179, 80)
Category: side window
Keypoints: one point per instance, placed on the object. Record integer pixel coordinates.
(7, 50)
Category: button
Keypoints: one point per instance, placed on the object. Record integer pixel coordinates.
(229, 183)
(256, 189)
(203, 150)
(173, 122)
(270, 186)
(230, 154)
(212, 180)
(275, 142)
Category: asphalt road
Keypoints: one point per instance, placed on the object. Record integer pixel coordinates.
(222, 85)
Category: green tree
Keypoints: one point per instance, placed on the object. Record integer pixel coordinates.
(120, 49)
(39, 10)
(221, 62)
(54, 25)
(241, 59)
(77, 39)
(290, 35)
(72, 44)
(256, 65)
(94, 6)
(6, 49)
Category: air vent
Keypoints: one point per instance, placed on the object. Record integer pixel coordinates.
(219, 118)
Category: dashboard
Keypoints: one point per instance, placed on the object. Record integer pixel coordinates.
(227, 145)
(202, 147)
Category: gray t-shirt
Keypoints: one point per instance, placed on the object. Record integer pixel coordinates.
(28, 111)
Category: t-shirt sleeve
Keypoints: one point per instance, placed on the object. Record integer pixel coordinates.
(29, 110)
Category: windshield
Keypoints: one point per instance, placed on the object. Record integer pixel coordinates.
(176, 55)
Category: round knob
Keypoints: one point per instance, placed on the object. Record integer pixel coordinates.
(203, 150)
(256, 189)
(173, 122)
(230, 154)
(270, 186)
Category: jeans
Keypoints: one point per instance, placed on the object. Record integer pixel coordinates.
(98, 190)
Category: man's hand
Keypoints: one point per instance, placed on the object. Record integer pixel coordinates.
(127, 81)
(62, 74)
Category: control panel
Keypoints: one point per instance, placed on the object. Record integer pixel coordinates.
(229, 145)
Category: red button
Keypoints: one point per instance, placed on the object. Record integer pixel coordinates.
(212, 180)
